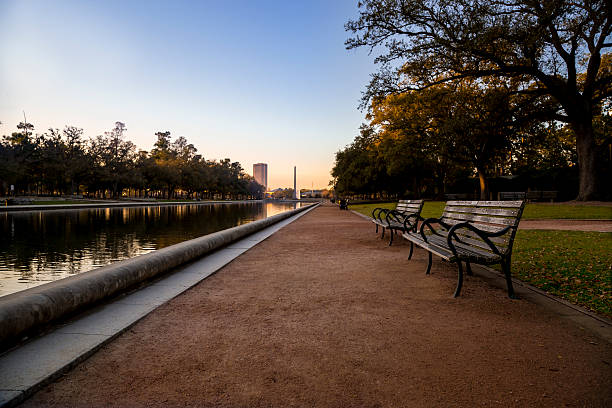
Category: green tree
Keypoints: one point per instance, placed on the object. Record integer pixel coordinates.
(21, 159)
(166, 171)
(414, 152)
(76, 162)
(552, 48)
(113, 159)
(355, 169)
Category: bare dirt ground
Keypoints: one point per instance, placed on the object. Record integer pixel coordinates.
(325, 314)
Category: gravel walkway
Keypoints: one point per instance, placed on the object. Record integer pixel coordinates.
(324, 314)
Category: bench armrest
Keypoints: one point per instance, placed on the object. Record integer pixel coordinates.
(429, 224)
(412, 225)
(376, 213)
(484, 235)
(395, 215)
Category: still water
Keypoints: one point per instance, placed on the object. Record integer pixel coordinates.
(42, 246)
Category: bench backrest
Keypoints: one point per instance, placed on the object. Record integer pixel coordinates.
(490, 216)
(409, 206)
(542, 195)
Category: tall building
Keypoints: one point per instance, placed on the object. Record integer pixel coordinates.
(260, 172)
(295, 192)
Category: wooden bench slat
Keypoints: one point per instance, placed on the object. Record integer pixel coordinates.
(407, 207)
(417, 239)
(515, 204)
(478, 218)
(438, 247)
(484, 227)
(462, 249)
(485, 211)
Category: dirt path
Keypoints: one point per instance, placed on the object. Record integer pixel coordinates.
(325, 314)
(568, 225)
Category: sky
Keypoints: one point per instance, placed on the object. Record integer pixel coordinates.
(253, 81)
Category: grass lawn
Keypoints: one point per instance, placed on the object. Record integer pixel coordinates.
(574, 265)
(566, 211)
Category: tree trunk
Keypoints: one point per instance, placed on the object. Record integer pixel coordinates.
(587, 162)
(484, 185)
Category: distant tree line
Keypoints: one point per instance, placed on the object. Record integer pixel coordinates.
(109, 166)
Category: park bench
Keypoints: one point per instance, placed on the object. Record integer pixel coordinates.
(534, 195)
(405, 215)
(480, 232)
(511, 195)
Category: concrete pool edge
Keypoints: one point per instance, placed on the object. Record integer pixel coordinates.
(24, 311)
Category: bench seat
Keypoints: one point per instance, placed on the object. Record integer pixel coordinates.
(437, 244)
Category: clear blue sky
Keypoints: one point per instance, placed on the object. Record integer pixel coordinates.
(255, 81)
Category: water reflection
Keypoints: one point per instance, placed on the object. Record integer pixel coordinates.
(41, 246)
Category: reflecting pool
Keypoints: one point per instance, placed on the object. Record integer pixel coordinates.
(42, 246)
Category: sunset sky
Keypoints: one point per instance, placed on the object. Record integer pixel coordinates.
(255, 81)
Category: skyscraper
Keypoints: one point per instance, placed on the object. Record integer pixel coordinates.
(260, 172)
(295, 192)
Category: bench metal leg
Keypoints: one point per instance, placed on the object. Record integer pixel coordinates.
(376, 228)
(383, 233)
(411, 249)
(459, 279)
(506, 269)
(428, 265)
(468, 268)
(392, 233)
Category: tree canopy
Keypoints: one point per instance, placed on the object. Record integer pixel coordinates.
(551, 52)
(431, 142)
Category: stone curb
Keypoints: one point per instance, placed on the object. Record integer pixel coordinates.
(31, 309)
